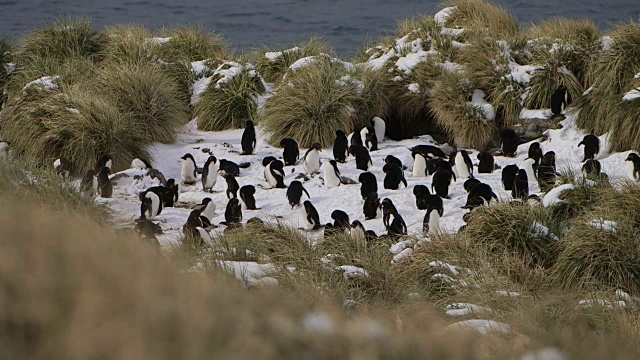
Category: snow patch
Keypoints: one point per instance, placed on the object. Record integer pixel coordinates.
(444, 265)
(477, 101)
(73, 111)
(350, 272)
(526, 114)
(464, 309)
(553, 196)
(43, 83)
(157, 40)
(607, 43)
(632, 95)
(272, 56)
(443, 15)
(604, 225)
(483, 327)
(414, 88)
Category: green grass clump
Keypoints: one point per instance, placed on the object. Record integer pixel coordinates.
(311, 104)
(5, 57)
(191, 44)
(546, 79)
(482, 18)
(374, 95)
(146, 95)
(274, 68)
(72, 71)
(230, 98)
(126, 43)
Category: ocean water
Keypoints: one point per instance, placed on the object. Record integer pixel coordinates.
(246, 24)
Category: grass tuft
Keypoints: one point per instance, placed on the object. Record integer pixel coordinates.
(274, 66)
(191, 44)
(482, 18)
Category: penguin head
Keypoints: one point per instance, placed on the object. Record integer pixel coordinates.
(357, 224)
(316, 146)
(195, 215)
(171, 183)
(340, 133)
(562, 88)
(420, 190)
(366, 177)
(483, 155)
(549, 158)
(470, 184)
(307, 205)
(187, 156)
(267, 160)
(206, 201)
(212, 159)
(633, 157)
(372, 196)
(104, 171)
(248, 124)
(340, 217)
(286, 142)
(234, 203)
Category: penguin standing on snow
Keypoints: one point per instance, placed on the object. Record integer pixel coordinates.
(331, 174)
(380, 127)
(509, 176)
(294, 193)
(210, 174)
(340, 220)
(248, 141)
(528, 165)
(509, 142)
(421, 193)
(393, 222)
(290, 152)
(470, 184)
(188, 171)
(62, 167)
(356, 231)
(520, 188)
(231, 168)
(634, 159)
(196, 221)
(479, 195)
(487, 164)
(105, 188)
(547, 169)
(246, 194)
(535, 152)
(592, 167)
(233, 212)
(419, 164)
(312, 159)
(394, 177)
(104, 161)
(232, 186)
(276, 174)
(436, 164)
(591, 146)
(363, 160)
(440, 182)
(369, 184)
(340, 147)
(464, 166)
(151, 204)
(207, 208)
(559, 100)
(429, 151)
(435, 210)
(355, 138)
(371, 206)
(370, 141)
(312, 218)
(267, 169)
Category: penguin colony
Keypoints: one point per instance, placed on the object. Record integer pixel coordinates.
(538, 170)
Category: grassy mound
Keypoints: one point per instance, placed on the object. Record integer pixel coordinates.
(148, 97)
(273, 64)
(482, 18)
(127, 43)
(311, 104)
(230, 97)
(189, 44)
(5, 57)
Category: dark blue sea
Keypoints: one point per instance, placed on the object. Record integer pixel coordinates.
(246, 24)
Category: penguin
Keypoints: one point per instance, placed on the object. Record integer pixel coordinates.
(151, 204)
(230, 168)
(331, 174)
(419, 164)
(232, 186)
(248, 140)
(634, 159)
(369, 184)
(340, 220)
(188, 171)
(62, 167)
(535, 153)
(356, 232)
(436, 164)
(547, 169)
(355, 139)
(421, 193)
(147, 230)
(509, 142)
(559, 100)
(311, 216)
(363, 160)
(340, 147)
(394, 177)
(435, 210)
(487, 164)
(592, 167)
(89, 182)
(520, 188)
(509, 176)
(195, 221)
(246, 194)
(290, 152)
(276, 174)
(390, 159)
(527, 165)
(104, 161)
(138, 163)
(371, 206)
(380, 127)
(470, 184)
(233, 212)
(591, 146)
(452, 163)
(440, 183)
(312, 159)
(364, 133)
(479, 195)
(105, 188)
(294, 193)
(207, 208)
(392, 220)
(267, 170)
(429, 151)
(170, 197)
(464, 166)
(210, 174)
(371, 141)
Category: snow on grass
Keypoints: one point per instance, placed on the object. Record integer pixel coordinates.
(477, 101)
(526, 114)
(402, 255)
(464, 309)
(451, 32)
(632, 95)
(309, 60)
(157, 40)
(553, 196)
(401, 245)
(483, 327)
(450, 66)
(43, 83)
(539, 229)
(589, 303)
(350, 271)
(249, 273)
(507, 293)
(223, 74)
(198, 88)
(200, 67)
(443, 15)
(604, 225)
(414, 88)
(444, 265)
(273, 56)
(415, 56)
(607, 43)
(73, 111)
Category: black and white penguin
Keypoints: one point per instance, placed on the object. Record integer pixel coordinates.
(89, 182)
(233, 212)
(592, 167)
(509, 142)
(312, 159)
(355, 139)
(435, 210)
(207, 208)
(230, 168)
(547, 169)
(371, 141)
(464, 166)
(436, 164)
(194, 227)
(331, 174)
(528, 165)
(311, 216)
(290, 152)
(559, 100)
(276, 174)
(170, 197)
(429, 151)
(486, 164)
(267, 169)
(232, 186)
(371, 206)
(340, 220)
(470, 184)
(394, 177)
(421, 193)
(62, 167)
(364, 133)
(535, 153)
(356, 232)
(591, 146)
(210, 174)
(509, 176)
(440, 182)
(634, 166)
(138, 163)
(248, 141)
(188, 172)
(363, 160)
(479, 195)
(105, 188)
(340, 147)
(419, 164)
(247, 193)
(147, 230)
(104, 161)
(392, 220)
(520, 188)
(294, 193)
(390, 159)
(380, 127)
(369, 184)
(151, 205)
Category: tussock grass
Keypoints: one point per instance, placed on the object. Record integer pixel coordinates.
(5, 57)
(191, 44)
(273, 69)
(230, 98)
(148, 97)
(507, 100)
(126, 43)
(547, 78)
(485, 62)
(482, 18)
(311, 105)
(374, 95)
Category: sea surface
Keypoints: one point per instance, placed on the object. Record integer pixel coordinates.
(247, 24)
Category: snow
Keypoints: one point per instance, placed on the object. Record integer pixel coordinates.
(309, 60)
(43, 83)
(444, 265)
(632, 95)
(478, 101)
(157, 40)
(198, 88)
(73, 111)
(443, 15)
(526, 114)
(464, 309)
(553, 196)
(539, 229)
(199, 67)
(350, 272)
(606, 42)
(249, 273)
(414, 88)
(547, 353)
(601, 302)
(451, 32)
(414, 57)
(483, 327)
(507, 293)
(521, 74)
(273, 56)
(317, 323)
(402, 255)
(604, 225)
(222, 75)
(450, 66)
